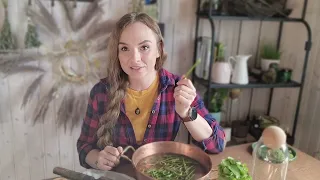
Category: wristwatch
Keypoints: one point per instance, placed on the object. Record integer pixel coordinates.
(192, 115)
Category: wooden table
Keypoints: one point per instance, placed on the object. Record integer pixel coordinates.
(304, 167)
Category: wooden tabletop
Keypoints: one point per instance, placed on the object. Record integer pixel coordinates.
(304, 167)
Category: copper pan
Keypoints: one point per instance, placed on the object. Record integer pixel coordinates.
(161, 147)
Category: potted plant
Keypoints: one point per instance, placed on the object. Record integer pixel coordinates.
(269, 55)
(221, 69)
(217, 98)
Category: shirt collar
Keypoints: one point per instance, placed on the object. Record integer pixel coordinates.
(167, 79)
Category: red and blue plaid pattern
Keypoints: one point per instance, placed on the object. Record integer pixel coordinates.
(163, 124)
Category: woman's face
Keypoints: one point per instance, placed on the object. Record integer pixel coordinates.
(138, 51)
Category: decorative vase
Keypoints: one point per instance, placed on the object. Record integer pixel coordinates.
(221, 72)
(265, 63)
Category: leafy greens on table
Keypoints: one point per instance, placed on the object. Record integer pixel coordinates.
(231, 169)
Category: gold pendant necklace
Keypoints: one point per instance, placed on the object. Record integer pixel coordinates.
(137, 111)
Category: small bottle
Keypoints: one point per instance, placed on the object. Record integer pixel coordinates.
(270, 155)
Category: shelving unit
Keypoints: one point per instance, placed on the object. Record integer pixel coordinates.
(292, 84)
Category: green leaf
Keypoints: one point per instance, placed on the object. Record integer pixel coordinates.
(231, 169)
(235, 170)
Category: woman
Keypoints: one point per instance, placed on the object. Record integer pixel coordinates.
(140, 102)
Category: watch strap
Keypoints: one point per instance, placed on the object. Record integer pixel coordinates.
(188, 118)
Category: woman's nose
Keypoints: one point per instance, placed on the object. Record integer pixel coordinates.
(136, 55)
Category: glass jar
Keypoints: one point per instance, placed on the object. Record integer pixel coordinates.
(270, 161)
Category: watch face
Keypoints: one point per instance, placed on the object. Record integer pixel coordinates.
(193, 114)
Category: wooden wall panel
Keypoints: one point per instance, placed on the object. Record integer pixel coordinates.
(20, 129)
(183, 41)
(312, 75)
(292, 45)
(229, 34)
(168, 18)
(307, 119)
(7, 166)
(248, 41)
(36, 138)
(31, 152)
(260, 97)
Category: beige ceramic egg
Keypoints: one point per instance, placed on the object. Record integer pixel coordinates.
(274, 137)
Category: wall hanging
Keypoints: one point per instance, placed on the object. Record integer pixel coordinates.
(71, 52)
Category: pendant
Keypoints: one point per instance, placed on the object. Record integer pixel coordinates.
(137, 111)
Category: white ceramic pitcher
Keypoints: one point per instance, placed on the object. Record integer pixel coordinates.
(240, 70)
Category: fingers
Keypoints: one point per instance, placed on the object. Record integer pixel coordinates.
(120, 149)
(184, 95)
(109, 157)
(185, 91)
(186, 82)
(103, 164)
(182, 100)
(112, 150)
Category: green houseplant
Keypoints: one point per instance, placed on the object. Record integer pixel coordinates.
(217, 98)
(269, 55)
(220, 52)
(221, 69)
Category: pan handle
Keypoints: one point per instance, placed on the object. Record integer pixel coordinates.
(72, 175)
(125, 150)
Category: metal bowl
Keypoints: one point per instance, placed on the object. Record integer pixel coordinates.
(171, 147)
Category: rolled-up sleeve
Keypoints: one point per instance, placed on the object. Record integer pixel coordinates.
(88, 139)
(215, 143)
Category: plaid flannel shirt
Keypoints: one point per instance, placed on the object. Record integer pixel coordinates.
(163, 124)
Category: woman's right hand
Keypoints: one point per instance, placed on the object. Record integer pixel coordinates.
(109, 157)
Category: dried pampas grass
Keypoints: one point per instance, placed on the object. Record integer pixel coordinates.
(31, 90)
(43, 105)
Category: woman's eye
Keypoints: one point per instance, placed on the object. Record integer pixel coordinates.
(144, 48)
(124, 49)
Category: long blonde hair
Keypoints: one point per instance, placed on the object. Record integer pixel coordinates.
(117, 78)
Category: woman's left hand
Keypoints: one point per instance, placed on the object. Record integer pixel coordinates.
(184, 95)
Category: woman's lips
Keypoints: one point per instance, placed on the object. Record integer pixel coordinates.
(136, 67)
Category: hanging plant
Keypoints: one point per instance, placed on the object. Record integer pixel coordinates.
(6, 39)
(2, 14)
(32, 37)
